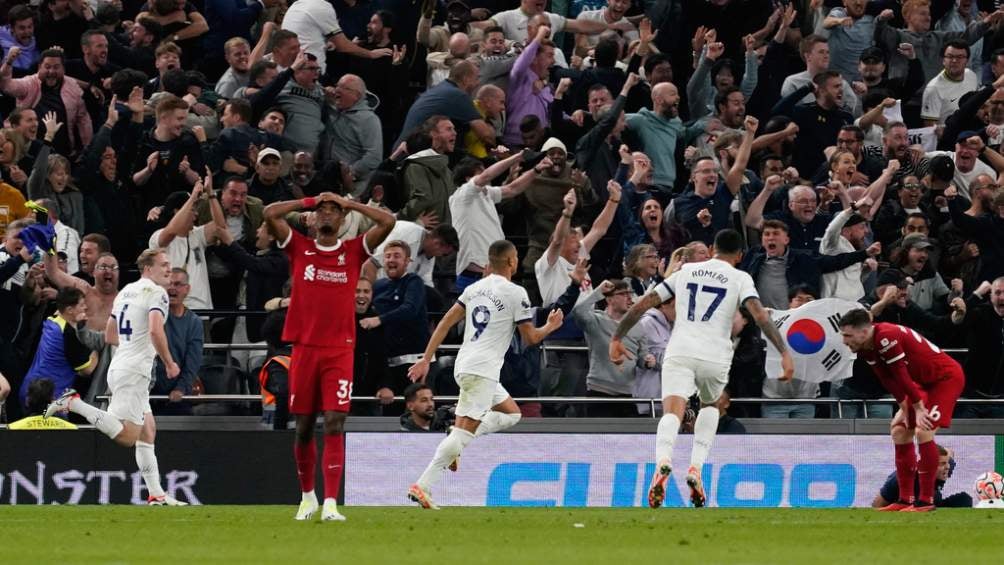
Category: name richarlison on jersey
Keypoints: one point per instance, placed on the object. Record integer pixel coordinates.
(499, 305)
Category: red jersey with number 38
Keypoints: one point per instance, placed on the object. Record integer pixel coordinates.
(322, 303)
(898, 350)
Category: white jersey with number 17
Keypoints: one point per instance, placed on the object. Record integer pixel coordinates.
(494, 306)
(131, 314)
(708, 294)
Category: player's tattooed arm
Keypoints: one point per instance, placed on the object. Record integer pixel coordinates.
(617, 350)
(650, 300)
(762, 318)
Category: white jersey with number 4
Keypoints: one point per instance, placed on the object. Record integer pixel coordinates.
(131, 314)
(494, 307)
(708, 294)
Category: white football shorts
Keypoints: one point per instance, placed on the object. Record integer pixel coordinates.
(478, 395)
(684, 376)
(130, 396)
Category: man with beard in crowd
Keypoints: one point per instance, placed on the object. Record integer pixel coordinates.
(47, 91)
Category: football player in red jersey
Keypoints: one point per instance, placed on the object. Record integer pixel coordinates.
(321, 325)
(925, 381)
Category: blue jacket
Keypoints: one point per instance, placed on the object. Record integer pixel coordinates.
(184, 339)
(403, 315)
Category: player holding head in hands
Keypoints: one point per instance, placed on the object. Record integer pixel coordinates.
(925, 381)
(321, 325)
(699, 352)
(490, 308)
(136, 326)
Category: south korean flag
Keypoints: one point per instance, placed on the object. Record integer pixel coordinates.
(813, 337)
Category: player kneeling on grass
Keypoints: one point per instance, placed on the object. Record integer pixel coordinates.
(926, 383)
(699, 353)
(491, 308)
(136, 326)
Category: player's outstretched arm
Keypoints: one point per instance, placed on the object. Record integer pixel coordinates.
(617, 350)
(762, 319)
(418, 371)
(532, 336)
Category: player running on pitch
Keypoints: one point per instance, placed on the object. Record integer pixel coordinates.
(491, 308)
(925, 381)
(136, 326)
(699, 352)
(321, 325)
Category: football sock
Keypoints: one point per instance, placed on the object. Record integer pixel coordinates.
(665, 436)
(448, 450)
(906, 470)
(928, 470)
(333, 462)
(496, 422)
(306, 457)
(705, 428)
(103, 421)
(146, 460)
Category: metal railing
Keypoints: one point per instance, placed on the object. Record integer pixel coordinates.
(840, 403)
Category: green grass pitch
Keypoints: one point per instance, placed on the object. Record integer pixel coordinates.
(396, 535)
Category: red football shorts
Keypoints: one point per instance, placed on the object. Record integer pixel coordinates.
(941, 397)
(320, 379)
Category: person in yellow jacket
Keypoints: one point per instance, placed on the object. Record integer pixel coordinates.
(11, 206)
(39, 396)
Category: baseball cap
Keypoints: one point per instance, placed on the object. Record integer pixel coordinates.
(893, 276)
(854, 220)
(966, 135)
(551, 143)
(268, 152)
(942, 168)
(917, 241)
(872, 55)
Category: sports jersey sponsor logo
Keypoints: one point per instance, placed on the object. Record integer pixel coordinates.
(324, 275)
(312, 273)
(887, 345)
(309, 252)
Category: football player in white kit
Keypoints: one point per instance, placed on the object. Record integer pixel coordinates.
(699, 354)
(491, 308)
(136, 326)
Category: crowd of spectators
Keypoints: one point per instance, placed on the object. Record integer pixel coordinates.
(855, 144)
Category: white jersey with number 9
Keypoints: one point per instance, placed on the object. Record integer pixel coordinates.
(708, 295)
(494, 307)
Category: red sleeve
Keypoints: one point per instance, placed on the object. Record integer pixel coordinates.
(358, 247)
(891, 353)
(294, 244)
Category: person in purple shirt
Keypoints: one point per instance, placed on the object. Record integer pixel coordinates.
(529, 92)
